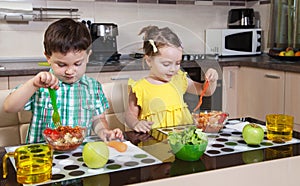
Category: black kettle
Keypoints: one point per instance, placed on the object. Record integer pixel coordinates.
(241, 18)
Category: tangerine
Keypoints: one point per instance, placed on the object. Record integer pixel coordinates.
(297, 53)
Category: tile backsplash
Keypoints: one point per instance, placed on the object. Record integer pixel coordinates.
(25, 40)
(207, 2)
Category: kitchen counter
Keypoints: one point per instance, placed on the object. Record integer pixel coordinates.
(276, 173)
(32, 68)
(269, 166)
(262, 61)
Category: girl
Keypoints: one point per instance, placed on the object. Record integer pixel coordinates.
(157, 100)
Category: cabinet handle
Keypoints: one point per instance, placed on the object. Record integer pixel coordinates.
(272, 76)
(231, 79)
(120, 78)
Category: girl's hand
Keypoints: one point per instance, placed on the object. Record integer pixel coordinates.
(211, 75)
(45, 80)
(143, 126)
(108, 135)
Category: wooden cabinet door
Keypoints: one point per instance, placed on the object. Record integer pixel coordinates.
(3, 83)
(230, 90)
(260, 92)
(121, 76)
(14, 81)
(292, 96)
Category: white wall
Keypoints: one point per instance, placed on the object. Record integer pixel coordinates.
(189, 21)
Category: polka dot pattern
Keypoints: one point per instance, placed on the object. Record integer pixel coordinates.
(67, 166)
(229, 141)
(70, 165)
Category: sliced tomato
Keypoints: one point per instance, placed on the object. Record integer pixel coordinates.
(47, 131)
(223, 116)
(54, 135)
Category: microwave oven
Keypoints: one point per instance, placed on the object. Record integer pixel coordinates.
(233, 42)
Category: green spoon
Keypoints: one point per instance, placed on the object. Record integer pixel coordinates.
(55, 115)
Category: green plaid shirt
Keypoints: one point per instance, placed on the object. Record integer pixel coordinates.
(76, 103)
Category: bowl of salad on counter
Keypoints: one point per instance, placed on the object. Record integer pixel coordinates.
(65, 138)
(211, 121)
(188, 144)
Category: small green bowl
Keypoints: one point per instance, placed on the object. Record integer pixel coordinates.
(188, 152)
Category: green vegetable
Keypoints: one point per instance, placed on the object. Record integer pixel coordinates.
(189, 136)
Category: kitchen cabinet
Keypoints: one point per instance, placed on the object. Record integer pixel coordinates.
(120, 76)
(230, 90)
(118, 93)
(3, 83)
(10, 82)
(292, 95)
(257, 92)
(253, 92)
(14, 81)
(260, 92)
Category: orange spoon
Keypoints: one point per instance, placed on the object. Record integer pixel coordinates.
(205, 86)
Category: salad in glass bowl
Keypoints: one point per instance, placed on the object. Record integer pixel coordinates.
(188, 144)
(65, 138)
(212, 121)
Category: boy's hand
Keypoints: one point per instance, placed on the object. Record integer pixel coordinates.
(143, 126)
(45, 80)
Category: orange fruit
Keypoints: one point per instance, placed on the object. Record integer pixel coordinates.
(297, 53)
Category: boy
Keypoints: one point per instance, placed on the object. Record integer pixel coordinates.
(80, 99)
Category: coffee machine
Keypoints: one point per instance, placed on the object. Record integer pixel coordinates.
(104, 46)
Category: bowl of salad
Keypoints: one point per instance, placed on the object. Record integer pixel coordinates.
(188, 144)
(211, 121)
(65, 138)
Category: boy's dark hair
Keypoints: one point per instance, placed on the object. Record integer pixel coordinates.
(66, 35)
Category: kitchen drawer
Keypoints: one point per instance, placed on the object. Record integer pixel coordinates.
(109, 77)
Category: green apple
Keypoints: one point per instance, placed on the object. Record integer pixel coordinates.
(290, 53)
(95, 154)
(253, 134)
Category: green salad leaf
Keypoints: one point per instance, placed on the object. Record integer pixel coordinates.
(189, 136)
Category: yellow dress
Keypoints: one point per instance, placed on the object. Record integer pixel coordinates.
(163, 104)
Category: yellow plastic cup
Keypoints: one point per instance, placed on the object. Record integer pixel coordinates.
(279, 127)
(33, 163)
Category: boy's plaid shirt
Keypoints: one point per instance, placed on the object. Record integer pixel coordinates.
(76, 103)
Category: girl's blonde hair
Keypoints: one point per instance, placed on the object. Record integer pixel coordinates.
(155, 38)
